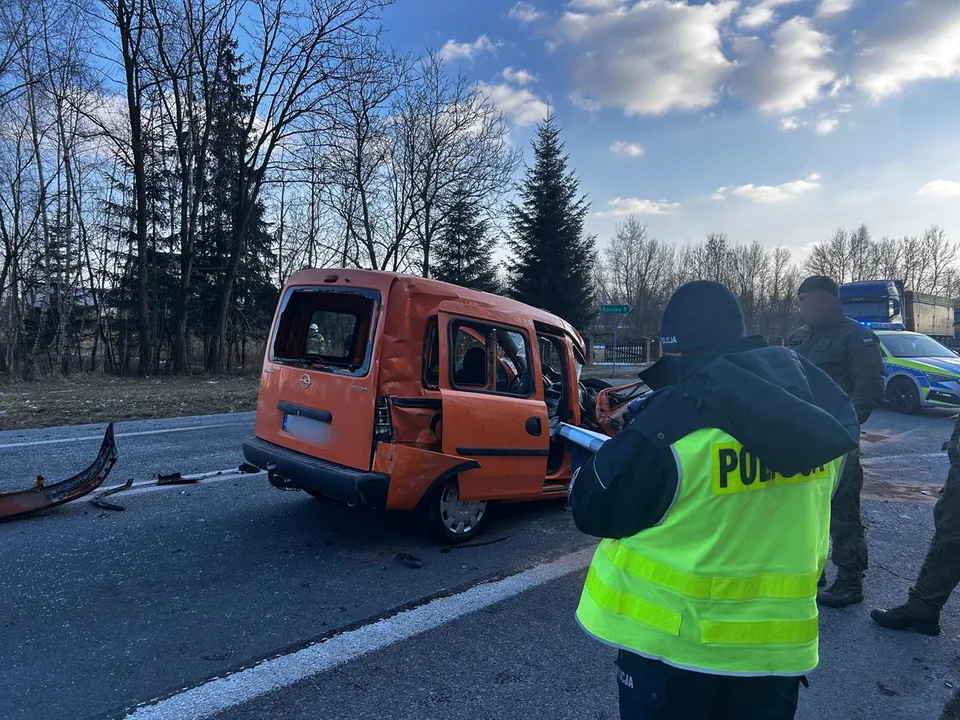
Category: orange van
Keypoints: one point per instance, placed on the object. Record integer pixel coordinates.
(398, 392)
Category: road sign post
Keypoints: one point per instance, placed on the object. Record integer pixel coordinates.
(621, 309)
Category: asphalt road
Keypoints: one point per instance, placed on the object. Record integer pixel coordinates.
(106, 611)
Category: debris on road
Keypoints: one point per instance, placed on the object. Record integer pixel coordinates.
(99, 501)
(409, 561)
(175, 479)
(248, 469)
(42, 495)
(448, 548)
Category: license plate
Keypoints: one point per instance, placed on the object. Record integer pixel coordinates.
(306, 429)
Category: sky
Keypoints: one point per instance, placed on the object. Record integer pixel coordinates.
(769, 120)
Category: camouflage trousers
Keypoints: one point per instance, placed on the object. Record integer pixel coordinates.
(846, 522)
(940, 572)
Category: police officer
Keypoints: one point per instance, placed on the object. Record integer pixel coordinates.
(940, 572)
(712, 503)
(848, 352)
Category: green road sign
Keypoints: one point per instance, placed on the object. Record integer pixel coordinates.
(615, 309)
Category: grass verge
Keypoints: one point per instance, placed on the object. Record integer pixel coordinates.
(95, 399)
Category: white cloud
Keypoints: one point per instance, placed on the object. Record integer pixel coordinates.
(453, 50)
(628, 149)
(594, 4)
(827, 125)
(920, 41)
(519, 104)
(772, 193)
(839, 85)
(636, 206)
(518, 77)
(791, 123)
(940, 190)
(648, 58)
(762, 13)
(789, 75)
(525, 12)
(582, 103)
(835, 7)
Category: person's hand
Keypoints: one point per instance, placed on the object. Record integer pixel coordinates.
(633, 409)
(554, 425)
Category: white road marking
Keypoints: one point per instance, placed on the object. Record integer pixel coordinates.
(57, 441)
(225, 692)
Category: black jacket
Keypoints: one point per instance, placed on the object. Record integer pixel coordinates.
(777, 404)
(850, 354)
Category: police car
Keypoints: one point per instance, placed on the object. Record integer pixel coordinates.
(919, 371)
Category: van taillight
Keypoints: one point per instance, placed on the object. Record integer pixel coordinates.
(382, 424)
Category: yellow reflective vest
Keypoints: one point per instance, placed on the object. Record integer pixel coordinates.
(727, 582)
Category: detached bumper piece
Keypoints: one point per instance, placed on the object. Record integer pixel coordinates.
(289, 469)
(43, 496)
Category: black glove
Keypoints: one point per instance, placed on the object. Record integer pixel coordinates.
(633, 409)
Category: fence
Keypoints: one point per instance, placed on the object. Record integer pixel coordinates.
(633, 353)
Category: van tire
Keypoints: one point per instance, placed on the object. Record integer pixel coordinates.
(903, 395)
(441, 521)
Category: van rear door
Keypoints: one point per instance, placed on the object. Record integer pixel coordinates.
(489, 416)
(318, 390)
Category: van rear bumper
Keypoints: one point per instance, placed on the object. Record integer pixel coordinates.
(338, 482)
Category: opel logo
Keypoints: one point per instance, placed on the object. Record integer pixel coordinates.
(305, 381)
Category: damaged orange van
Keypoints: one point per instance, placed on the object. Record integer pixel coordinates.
(398, 392)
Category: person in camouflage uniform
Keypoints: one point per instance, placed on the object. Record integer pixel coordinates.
(850, 354)
(940, 572)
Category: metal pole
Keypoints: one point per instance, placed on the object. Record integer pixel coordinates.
(616, 326)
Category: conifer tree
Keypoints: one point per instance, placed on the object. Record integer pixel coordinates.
(464, 254)
(553, 259)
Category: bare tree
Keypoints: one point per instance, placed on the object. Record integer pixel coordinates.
(129, 19)
(862, 254)
(359, 159)
(449, 136)
(831, 258)
(302, 53)
(941, 256)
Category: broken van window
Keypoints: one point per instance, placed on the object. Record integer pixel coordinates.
(470, 360)
(325, 329)
(478, 348)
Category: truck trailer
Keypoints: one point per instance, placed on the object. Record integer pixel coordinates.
(887, 305)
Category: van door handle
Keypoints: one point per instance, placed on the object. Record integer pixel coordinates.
(534, 427)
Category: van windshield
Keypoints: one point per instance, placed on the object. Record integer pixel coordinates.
(326, 329)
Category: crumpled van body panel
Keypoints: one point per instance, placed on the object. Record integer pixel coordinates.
(317, 394)
(364, 369)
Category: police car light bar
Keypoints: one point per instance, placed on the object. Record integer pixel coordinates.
(882, 325)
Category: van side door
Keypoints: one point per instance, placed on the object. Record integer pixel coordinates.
(490, 415)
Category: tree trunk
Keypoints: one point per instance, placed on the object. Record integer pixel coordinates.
(125, 25)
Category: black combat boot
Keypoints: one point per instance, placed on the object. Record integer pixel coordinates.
(909, 616)
(846, 590)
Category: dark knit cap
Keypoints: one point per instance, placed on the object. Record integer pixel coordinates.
(819, 282)
(700, 315)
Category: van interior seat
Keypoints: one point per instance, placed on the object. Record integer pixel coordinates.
(473, 372)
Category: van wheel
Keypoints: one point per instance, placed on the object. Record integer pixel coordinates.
(904, 395)
(451, 520)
